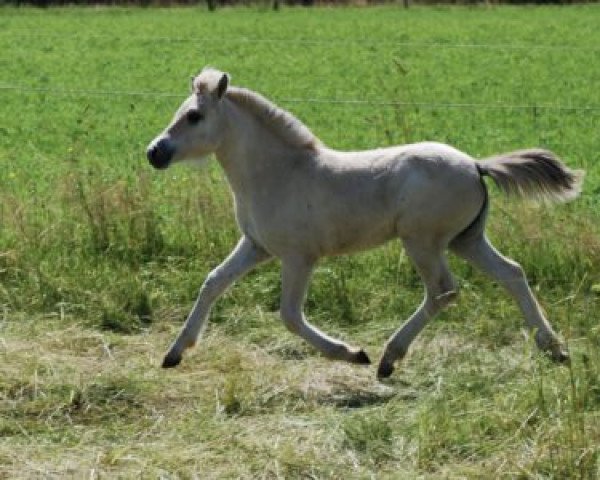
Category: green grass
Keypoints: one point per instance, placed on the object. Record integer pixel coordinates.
(101, 257)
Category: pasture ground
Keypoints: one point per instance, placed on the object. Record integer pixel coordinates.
(101, 257)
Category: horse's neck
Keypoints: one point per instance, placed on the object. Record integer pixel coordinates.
(251, 153)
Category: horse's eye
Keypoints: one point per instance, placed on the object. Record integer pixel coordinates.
(194, 116)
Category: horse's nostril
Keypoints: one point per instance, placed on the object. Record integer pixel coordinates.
(151, 152)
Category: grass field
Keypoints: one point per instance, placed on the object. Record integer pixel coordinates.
(101, 257)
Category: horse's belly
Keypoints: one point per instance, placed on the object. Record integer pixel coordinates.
(320, 236)
(357, 236)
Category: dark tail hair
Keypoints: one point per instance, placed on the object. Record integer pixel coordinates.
(533, 173)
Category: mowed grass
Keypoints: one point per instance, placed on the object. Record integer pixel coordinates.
(101, 257)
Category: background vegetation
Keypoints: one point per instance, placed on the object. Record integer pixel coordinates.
(101, 257)
(276, 4)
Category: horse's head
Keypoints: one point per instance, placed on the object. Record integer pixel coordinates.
(196, 128)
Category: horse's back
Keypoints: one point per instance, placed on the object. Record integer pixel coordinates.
(418, 189)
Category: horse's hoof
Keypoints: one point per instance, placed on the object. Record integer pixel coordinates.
(361, 358)
(560, 356)
(171, 361)
(555, 351)
(385, 370)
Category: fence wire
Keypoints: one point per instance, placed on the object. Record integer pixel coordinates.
(23, 89)
(333, 42)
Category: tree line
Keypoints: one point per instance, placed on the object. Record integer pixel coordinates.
(275, 4)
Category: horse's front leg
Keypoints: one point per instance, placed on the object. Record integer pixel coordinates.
(243, 258)
(295, 274)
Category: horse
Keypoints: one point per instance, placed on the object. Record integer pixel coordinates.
(297, 200)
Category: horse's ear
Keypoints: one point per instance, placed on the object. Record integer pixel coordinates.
(222, 86)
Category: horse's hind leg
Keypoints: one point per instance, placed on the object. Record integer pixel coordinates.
(480, 252)
(295, 275)
(244, 257)
(440, 290)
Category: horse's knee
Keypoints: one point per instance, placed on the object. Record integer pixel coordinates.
(212, 285)
(515, 270)
(512, 274)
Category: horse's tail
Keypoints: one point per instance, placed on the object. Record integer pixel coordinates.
(533, 173)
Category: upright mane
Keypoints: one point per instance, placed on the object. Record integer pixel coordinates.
(279, 121)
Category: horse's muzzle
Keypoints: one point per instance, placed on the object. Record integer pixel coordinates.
(160, 153)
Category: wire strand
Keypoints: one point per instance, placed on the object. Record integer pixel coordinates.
(327, 42)
(295, 100)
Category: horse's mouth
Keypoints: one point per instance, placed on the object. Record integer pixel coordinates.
(160, 154)
(160, 163)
